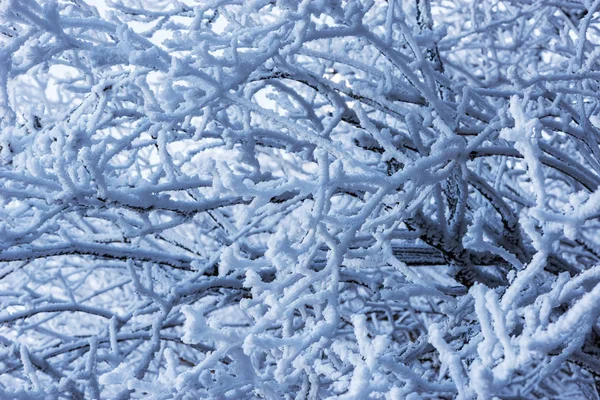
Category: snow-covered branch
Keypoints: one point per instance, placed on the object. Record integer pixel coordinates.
(299, 199)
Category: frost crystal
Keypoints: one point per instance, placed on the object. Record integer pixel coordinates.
(299, 199)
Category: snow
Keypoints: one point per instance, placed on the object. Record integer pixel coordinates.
(353, 199)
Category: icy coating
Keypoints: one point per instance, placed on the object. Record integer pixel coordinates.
(285, 199)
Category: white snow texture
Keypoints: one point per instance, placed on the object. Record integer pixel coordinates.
(299, 199)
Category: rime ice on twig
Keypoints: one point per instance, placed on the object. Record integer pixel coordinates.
(299, 199)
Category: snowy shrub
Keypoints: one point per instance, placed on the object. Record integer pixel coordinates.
(353, 199)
